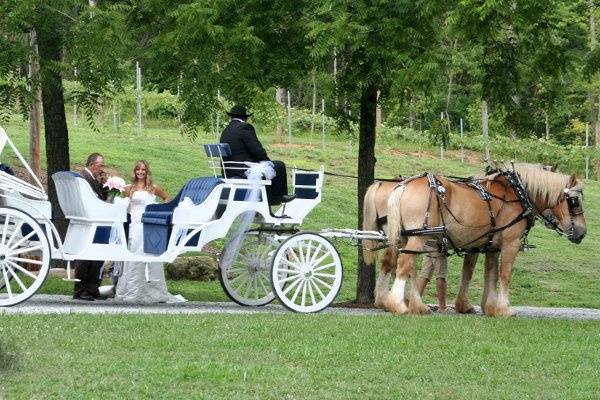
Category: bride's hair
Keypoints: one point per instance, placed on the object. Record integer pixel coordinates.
(148, 185)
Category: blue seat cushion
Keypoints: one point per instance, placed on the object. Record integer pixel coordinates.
(157, 218)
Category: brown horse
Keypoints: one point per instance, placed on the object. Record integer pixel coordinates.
(470, 222)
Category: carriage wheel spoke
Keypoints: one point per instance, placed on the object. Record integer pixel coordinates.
(318, 289)
(327, 285)
(322, 275)
(321, 259)
(237, 278)
(322, 267)
(5, 229)
(26, 260)
(290, 264)
(24, 238)
(262, 284)
(291, 250)
(289, 278)
(303, 302)
(8, 288)
(25, 250)
(292, 285)
(297, 291)
(310, 291)
(314, 255)
(248, 286)
(23, 270)
(289, 271)
(14, 234)
(16, 278)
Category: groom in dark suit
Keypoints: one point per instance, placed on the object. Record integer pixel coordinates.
(88, 272)
(245, 146)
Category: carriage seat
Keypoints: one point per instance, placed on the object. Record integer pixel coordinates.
(158, 218)
(81, 205)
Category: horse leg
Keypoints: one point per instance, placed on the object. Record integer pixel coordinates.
(490, 281)
(507, 258)
(394, 302)
(415, 301)
(382, 285)
(462, 304)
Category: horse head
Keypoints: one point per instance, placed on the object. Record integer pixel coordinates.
(558, 198)
(569, 211)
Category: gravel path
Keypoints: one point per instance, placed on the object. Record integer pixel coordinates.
(55, 304)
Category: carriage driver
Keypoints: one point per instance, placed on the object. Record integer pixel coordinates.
(434, 262)
(245, 146)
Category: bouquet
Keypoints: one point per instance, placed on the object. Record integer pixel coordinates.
(115, 186)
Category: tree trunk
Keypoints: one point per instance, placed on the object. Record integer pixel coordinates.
(547, 122)
(484, 127)
(280, 97)
(448, 99)
(365, 287)
(35, 112)
(55, 122)
(378, 112)
(314, 104)
(412, 116)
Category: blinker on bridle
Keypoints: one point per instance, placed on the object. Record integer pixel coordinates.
(574, 202)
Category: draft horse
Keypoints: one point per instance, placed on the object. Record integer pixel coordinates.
(375, 213)
(491, 215)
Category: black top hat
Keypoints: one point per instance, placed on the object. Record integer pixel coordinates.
(238, 111)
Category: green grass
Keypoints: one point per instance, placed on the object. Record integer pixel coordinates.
(557, 273)
(322, 356)
(297, 357)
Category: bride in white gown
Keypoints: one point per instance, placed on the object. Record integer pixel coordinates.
(132, 285)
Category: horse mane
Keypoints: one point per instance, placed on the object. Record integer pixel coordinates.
(542, 184)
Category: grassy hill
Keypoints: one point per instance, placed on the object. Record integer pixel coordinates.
(557, 273)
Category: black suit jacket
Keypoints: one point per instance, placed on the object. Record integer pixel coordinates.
(243, 142)
(100, 191)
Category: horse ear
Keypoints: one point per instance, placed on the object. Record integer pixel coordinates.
(554, 168)
(573, 180)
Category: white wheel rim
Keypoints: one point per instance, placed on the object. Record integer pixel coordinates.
(24, 259)
(247, 279)
(306, 273)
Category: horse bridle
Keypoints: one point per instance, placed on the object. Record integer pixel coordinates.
(574, 199)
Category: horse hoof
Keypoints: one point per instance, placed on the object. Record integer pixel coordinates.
(396, 308)
(418, 309)
(464, 309)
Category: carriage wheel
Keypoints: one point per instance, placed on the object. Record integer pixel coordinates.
(245, 276)
(306, 273)
(24, 256)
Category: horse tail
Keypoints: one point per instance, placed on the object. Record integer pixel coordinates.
(369, 223)
(395, 220)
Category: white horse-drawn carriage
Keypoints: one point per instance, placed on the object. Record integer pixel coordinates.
(302, 269)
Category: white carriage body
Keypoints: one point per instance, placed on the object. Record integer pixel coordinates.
(203, 222)
(203, 211)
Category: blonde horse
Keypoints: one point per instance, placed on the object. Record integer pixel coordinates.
(375, 219)
(469, 221)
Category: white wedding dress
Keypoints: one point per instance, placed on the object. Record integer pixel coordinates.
(132, 285)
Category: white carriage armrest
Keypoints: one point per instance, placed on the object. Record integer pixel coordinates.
(188, 213)
(38, 209)
(79, 202)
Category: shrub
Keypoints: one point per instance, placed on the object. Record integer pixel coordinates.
(195, 268)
